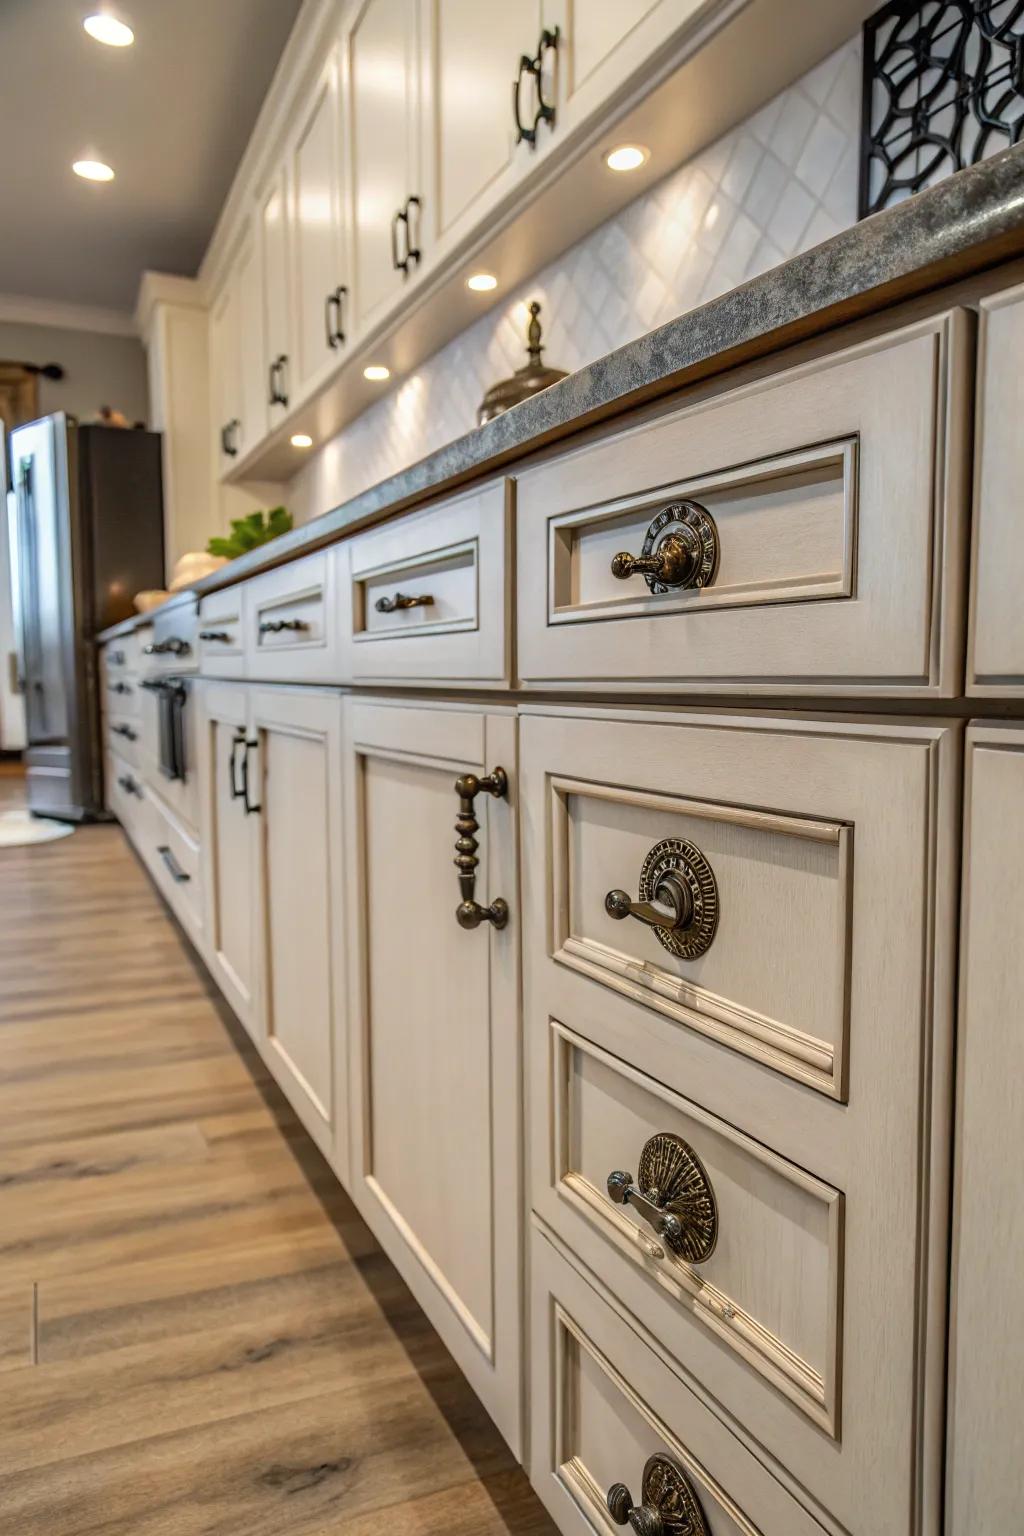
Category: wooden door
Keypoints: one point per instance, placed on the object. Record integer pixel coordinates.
(435, 1099)
(277, 362)
(295, 775)
(985, 1474)
(316, 191)
(383, 70)
(228, 838)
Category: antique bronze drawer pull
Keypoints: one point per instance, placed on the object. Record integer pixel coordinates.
(172, 647)
(403, 600)
(174, 869)
(673, 1194)
(215, 634)
(677, 874)
(129, 785)
(670, 1504)
(275, 626)
(526, 133)
(680, 550)
(469, 913)
(125, 731)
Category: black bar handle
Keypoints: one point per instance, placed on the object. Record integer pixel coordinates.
(178, 875)
(250, 809)
(125, 731)
(236, 792)
(340, 295)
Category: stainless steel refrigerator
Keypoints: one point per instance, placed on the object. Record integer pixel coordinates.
(90, 535)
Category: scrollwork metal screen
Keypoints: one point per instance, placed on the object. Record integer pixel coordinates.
(943, 88)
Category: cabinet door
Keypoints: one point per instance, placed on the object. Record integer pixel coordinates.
(383, 69)
(225, 373)
(276, 308)
(985, 1488)
(435, 1099)
(317, 234)
(252, 390)
(477, 52)
(228, 840)
(296, 775)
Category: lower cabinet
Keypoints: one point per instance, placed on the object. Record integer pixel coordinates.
(435, 1098)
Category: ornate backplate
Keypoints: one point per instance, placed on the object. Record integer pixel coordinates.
(667, 1489)
(673, 1176)
(693, 522)
(685, 859)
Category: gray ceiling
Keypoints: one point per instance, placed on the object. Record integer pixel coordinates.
(171, 115)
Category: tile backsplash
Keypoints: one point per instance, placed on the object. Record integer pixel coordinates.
(778, 183)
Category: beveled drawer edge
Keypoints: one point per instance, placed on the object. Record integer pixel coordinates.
(815, 1396)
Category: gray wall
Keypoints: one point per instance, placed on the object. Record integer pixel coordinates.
(100, 369)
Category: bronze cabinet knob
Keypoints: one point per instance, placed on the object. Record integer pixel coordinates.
(680, 551)
(674, 1196)
(469, 913)
(669, 1507)
(676, 876)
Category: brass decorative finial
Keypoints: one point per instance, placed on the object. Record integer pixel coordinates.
(526, 381)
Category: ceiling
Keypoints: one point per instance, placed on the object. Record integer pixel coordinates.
(171, 114)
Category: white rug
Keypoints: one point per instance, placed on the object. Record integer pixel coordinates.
(18, 827)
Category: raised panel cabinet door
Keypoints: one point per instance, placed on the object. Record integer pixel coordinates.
(317, 233)
(252, 394)
(277, 361)
(228, 840)
(985, 1472)
(383, 70)
(295, 777)
(995, 659)
(225, 369)
(477, 54)
(435, 1057)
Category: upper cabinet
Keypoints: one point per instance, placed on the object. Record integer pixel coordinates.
(236, 357)
(273, 216)
(322, 293)
(384, 76)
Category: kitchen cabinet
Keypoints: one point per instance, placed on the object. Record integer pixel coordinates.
(435, 1056)
(321, 293)
(228, 837)
(236, 357)
(225, 372)
(294, 789)
(274, 239)
(384, 75)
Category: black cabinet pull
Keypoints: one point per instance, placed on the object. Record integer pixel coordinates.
(275, 626)
(333, 316)
(228, 438)
(129, 785)
(215, 634)
(125, 731)
(177, 874)
(526, 133)
(116, 658)
(278, 392)
(412, 252)
(250, 809)
(120, 687)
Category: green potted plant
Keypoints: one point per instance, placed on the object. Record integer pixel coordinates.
(250, 532)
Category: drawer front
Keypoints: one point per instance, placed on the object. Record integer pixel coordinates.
(171, 648)
(424, 598)
(125, 793)
(172, 855)
(995, 664)
(605, 1402)
(221, 633)
(179, 796)
(291, 623)
(123, 737)
(803, 534)
(789, 1056)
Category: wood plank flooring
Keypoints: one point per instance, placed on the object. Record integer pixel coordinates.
(198, 1334)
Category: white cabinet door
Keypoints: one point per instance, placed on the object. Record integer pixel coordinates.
(273, 216)
(295, 777)
(384, 73)
(985, 1474)
(228, 839)
(317, 244)
(477, 53)
(252, 392)
(435, 1099)
(225, 372)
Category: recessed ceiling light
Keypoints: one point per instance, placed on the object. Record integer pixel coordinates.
(376, 371)
(482, 282)
(301, 440)
(627, 157)
(93, 170)
(107, 29)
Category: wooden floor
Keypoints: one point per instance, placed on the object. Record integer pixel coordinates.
(197, 1332)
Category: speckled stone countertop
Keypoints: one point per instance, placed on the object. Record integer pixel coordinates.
(967, 222)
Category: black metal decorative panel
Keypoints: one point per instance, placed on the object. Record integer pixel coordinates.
(943, 88)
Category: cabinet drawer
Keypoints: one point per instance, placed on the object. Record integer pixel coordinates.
(995, 662)
(123, 735)
(424, 597)
(605, 1402)
(815, 522)
(221, 635)
(291, 622)
(125, 793)
(172, 855)
(790, 1056)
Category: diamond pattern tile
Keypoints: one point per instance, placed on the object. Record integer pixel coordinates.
(782, 181)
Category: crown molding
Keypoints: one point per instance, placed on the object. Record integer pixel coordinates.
(165, 288)
(17, 309)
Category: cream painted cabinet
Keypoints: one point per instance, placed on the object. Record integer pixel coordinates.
(225, 373)
(228, 833)
(294, 788)
(985, 1489)
(435, 1056)
(278, 364)
(384, 106)
(321, 293)
(237, 394)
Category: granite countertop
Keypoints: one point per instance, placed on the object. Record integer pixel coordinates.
(967, 222)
